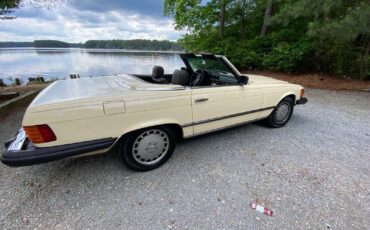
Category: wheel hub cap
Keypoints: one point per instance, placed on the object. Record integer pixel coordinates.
(150, 147)
(282, 113)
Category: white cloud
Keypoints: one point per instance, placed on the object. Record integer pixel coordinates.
(72, 25)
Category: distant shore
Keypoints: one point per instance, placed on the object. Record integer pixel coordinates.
(135, 44)
(112, 50)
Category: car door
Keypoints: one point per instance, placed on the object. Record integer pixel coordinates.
(217, 107)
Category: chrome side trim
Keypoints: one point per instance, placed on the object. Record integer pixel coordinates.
(225, 127)
(226, 117)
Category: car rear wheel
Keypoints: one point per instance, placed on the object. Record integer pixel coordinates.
(148, 149)
(281, 114)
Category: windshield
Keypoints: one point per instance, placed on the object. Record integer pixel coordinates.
(210, 64)
(215, 70)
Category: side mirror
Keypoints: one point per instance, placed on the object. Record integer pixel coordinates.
(243, 80)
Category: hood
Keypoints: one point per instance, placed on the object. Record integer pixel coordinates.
(262, 80)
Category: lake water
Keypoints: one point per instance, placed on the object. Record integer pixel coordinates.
(60, 63)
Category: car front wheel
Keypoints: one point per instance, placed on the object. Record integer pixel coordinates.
(281, 114)
(148, 149)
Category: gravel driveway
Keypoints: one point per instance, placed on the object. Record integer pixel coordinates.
(313, 173)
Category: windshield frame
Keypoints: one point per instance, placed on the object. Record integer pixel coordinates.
(185, 58)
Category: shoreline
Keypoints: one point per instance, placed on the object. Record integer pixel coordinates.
(113, 50)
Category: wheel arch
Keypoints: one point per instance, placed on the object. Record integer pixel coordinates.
(174, 126)
(288, 94)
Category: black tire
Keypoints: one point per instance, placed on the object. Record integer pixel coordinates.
(273, 120)
(131, 146)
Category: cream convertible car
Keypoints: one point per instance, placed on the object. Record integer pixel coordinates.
(144, 116)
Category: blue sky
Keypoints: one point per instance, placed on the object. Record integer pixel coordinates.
(81, 20)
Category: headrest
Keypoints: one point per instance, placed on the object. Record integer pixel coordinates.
(157, 71)
(180, 77)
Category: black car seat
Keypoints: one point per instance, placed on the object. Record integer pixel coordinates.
(158, 75)
(180, 77)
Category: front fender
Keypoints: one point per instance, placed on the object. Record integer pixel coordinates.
(290, 93)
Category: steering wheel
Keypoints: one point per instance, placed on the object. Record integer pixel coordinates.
(197, 78)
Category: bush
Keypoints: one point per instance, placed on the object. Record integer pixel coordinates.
(267, 53)
(281, 51)
(17, 81)
(290, 57)
(344, 61)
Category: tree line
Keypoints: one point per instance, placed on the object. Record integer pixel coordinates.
(137, 44)
(39, 44)
(287, 35)
(15, 44)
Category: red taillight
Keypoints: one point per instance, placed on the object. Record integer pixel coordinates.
(39, 133)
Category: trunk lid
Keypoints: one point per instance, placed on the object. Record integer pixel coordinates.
(96, 97)
(67, 93)
(71, 90)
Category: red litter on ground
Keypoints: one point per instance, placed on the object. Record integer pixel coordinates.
(261, 209)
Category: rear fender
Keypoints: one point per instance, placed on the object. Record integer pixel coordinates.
(186, 131)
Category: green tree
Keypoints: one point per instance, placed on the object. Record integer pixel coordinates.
(135, 44)
(341, 30)
(290, 35)
(6, 7)
(196, 16)
(266, 20)
(50, 43)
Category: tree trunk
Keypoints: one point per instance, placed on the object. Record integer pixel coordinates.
(266, 20)
(365, 61)
(222, 19)
(242, 23)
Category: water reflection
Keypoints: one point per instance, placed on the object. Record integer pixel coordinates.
(59, 63)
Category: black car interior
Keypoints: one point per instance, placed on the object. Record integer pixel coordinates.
(199, 71)
(158, 75)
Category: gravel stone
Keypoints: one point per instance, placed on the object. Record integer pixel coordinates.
(313, 173)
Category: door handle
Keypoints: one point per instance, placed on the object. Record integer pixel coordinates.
(201, 100)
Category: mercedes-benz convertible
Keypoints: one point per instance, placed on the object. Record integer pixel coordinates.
(143, 116)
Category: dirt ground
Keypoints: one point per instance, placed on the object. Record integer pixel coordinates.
(317, 81)
(23, 89)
